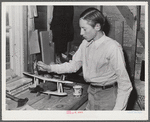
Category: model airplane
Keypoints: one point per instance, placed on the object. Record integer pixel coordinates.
(59, 82)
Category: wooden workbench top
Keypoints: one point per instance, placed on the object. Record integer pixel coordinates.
(43, 102)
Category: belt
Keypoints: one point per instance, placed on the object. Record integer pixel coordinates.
(104, 87)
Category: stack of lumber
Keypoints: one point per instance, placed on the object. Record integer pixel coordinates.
(17, 84)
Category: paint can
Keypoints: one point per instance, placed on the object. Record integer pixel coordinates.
(77, 90)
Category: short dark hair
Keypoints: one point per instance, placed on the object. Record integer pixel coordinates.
(93, 16)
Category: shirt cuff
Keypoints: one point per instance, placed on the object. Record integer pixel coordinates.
(49, 68)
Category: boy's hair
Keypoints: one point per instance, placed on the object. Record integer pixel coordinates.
(93, 16)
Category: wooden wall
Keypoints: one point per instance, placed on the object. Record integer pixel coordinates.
(126, 14)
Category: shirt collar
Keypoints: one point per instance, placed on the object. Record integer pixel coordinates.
(89, 43)
(97, 42)
(100, 41)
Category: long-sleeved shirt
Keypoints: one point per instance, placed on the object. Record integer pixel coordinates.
(103, 63)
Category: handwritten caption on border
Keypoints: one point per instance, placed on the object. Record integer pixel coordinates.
(74, 112)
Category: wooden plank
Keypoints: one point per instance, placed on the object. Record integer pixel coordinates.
(79, 103)
(17, 83)
(129, 17)
(46, 103)
(49, 16)
(31, 96)
(68, 102)
(34, 43)
(138, 17)
(83, 107)
(133, 50)
(16, 38)
(47, 47)
(100, 8)
(25, 39)
(119, 31)
(140, 87)
(71, 102)
(34, 48)
(141, 36)
(27, 107)
(127, 14)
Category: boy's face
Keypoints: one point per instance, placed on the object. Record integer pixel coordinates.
(87, 31)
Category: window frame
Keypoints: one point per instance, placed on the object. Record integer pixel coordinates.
(17, 37)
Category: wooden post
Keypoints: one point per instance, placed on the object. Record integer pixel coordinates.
(134, 44)
(36, 82)
(138, 17)
(25, 33)
(16, 39)
(49, 16)
(100, 8)
(122, 34)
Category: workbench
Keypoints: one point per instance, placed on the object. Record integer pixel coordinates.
(43, 102)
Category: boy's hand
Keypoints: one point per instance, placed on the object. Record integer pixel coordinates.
(42, 66)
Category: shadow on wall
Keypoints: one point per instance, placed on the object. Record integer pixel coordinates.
(133, 95)
(106, 27)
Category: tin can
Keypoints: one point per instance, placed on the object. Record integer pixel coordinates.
(77, 90)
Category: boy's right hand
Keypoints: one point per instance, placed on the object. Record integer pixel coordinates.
(42, 66)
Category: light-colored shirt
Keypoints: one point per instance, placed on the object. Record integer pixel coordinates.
(102, 63)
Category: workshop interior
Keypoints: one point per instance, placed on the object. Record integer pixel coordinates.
(30, 31)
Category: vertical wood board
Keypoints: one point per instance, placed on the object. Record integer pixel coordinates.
(134, 46)
(34, 43)
(119, 32)
(47, 47)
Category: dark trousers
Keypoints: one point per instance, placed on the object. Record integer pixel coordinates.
(101, 99)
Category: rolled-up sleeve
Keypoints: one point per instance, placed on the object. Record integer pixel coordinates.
(124, 84)
(71, 66)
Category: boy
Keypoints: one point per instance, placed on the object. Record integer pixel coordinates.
(102, 61)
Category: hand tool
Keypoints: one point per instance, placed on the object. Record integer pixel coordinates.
(21, 102)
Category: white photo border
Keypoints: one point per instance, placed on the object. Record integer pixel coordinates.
(85, 115)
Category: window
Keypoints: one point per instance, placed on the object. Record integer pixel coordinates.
(15, 38)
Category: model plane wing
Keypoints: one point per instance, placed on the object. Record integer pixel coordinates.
(47, 79)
